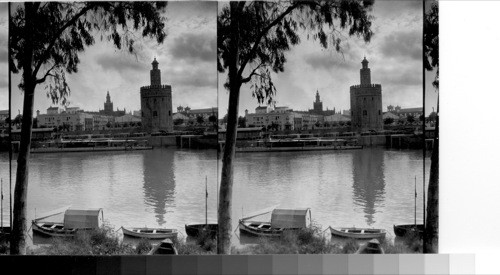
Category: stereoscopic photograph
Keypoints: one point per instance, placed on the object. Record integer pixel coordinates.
(203, 127)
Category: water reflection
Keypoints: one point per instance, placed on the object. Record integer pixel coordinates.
(159, 182)
(368, 181)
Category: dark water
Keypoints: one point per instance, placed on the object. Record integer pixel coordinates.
(166, 187)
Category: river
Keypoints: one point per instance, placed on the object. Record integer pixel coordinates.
(372, 187)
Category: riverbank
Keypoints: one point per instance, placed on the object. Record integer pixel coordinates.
(105, 241)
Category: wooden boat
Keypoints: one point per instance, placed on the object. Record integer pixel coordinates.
(150, 233)
(194, 230)
(403, 230)
(358, 233)
(166, 247)
(281, 220)
(259, 229)
(371, 247)
(74, 220)
(53, 229)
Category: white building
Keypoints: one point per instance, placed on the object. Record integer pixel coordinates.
(73, 118)
(281, 117)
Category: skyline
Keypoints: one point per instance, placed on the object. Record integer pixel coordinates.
(394, 55)
(187, 60)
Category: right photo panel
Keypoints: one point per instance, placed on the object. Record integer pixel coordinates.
(327, 127)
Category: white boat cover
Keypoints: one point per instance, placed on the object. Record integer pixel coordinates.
(87, 218)
(291, 218)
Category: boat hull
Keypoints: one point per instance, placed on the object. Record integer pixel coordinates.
(358, 233)
(402, 230)
(259, 229)
(52, 229)
(89, 149)
(150, 233)
(194, 230)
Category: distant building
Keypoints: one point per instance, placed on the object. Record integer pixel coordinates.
(317, 105)
(108, 108)
(156, 103)
(73, 119)
(366, 103)
(127, 119)
(4, 114)
(280, 118)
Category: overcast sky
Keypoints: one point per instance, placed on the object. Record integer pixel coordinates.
(187, 62)
(394, 55)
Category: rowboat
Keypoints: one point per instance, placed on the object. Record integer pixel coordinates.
(259, 229)
(403, 230)
(150, 233)
(281, 220)
(166, 247)
(371, 247)
(358, 233)
(74, 220)
(195, 230)
(53, 229)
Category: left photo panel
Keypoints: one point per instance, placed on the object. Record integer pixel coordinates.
(113, 126)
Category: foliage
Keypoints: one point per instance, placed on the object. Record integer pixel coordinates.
(63, 30)
(178, 121)
(102, 241)
(200, 119)
(410, 118)
(431, 41)
(242, 122)
(212, 119)
(143, 247)
(267, 30)
(388, 120)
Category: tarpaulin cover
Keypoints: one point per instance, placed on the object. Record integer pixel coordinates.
(291, 218)
(88, 218)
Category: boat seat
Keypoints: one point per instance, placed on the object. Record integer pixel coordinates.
(138, 231)
(53, 226)
(154, 231)
(260, 226)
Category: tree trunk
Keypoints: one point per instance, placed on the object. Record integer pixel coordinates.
(432, 223)
(226, 185)
(19, 229)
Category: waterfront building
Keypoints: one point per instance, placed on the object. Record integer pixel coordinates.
(76, 121)
(127, 119)
(337, 118)
(279, 118)
(73, 119)
(366, 103)
(156, 103)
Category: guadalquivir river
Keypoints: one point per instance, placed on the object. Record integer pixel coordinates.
(372, 187)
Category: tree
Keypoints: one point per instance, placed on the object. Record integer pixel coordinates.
(388, 120)
(212, 119)
(45, 40)
(431, 62)
(242, 121)
(178, 121)
(410, 118)
(200, 120)
(252, 39)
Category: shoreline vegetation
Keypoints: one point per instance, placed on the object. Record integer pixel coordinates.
(312, 240)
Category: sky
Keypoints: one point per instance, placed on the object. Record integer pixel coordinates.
(394, 55)
(187, 60)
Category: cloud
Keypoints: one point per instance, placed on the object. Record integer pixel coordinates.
(321, 61)
(193, 76)
(195, 47)
(119, 62)
(403, 44)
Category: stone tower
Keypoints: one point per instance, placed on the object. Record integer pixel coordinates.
(108, 105)
(156, 103)
(366, 103)
(317, 105)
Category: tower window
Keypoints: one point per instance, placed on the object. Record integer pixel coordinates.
(169, 113)
(372, 98)
(365, 113)
(379, 113)
(155, 113)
